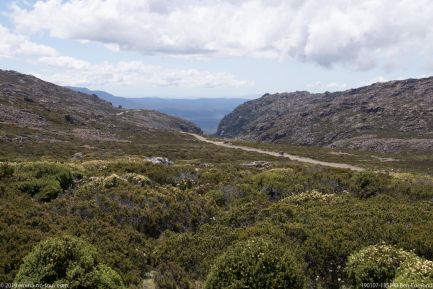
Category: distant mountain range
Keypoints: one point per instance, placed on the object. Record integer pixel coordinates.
(384, 117)
(204, 112)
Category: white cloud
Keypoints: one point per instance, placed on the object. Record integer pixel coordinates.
(66, 62)
(13, 44)
(360, 34)
(77, 72)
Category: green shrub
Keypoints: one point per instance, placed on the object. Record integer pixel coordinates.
(60, 172)
(44, 180)
(415, 271)
(273, 183)
(42, 189)
(375, 264)
(365, 184)
(67, 260)
(257, 263)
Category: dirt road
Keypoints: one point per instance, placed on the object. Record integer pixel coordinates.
(277, 154)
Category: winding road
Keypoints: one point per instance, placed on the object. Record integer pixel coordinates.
(277, 154)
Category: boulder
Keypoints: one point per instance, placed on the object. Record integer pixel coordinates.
(159, 161)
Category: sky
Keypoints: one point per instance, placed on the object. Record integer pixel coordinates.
(217, 48)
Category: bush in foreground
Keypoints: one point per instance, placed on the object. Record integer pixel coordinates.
(67, 260)
(375, 264)
(257, 263)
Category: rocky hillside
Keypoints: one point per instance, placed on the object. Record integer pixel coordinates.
(34, 109)
(384, 117)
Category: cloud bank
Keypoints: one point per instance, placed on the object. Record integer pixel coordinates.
(359, 34)
(66, 70)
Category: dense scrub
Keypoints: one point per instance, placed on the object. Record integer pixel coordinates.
(175, 226)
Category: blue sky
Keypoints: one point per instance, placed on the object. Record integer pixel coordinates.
(217, 48)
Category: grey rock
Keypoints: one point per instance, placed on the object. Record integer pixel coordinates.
(78, 156)
(159, 161)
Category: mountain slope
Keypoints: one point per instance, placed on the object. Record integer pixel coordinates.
(204, 112)
(383, 117)
(35, 110)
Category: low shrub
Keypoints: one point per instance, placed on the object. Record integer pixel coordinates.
(257, 263)
(137, 179)
(62, 173)
(274, 184)
(67, 260)
(375, 264)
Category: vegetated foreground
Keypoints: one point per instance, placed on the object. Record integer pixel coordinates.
(214, 218)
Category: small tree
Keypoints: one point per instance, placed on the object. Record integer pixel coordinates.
(67, 260)
(256, 264)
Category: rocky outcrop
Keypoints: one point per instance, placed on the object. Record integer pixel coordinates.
(387, 116)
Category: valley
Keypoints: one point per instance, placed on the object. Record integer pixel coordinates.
(217, 144)
(156, 204)
(206, 113)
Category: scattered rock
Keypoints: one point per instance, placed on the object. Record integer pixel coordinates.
(78, 156)
(384, 159)
(96, 135)
(257, 164)
(341, 154)
(385, 145)
(159, 161)
(72, 119)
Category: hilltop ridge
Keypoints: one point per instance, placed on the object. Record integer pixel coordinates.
(38, 118)
(28, 102)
